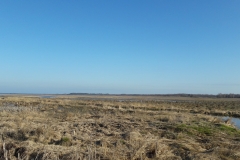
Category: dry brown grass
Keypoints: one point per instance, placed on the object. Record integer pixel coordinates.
(72, 128)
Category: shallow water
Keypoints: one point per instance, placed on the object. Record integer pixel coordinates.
(47, 96)
(235, 121)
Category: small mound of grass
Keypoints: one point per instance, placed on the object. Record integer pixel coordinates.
(204, 130)
(64, 141)
(207, 129)
(229, 129)
(195, 130)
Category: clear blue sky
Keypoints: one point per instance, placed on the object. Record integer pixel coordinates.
(120, 46)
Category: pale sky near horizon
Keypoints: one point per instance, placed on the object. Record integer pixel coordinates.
(120, 46)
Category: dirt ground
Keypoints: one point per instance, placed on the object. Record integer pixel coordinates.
(117, 128)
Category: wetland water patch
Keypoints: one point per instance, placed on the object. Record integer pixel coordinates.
(47, 96)
(235, 121)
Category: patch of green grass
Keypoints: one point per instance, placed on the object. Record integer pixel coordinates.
(65, 141)
(204, 130)
(184, 128)
(207, 129)
(195, 130)
(229, 129)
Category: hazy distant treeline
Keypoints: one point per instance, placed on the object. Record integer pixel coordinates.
(228, 96)
(220, 95)
(205, 95)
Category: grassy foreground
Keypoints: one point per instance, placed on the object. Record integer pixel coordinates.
(34, 128)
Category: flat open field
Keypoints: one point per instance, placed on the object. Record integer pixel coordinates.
(117, 127)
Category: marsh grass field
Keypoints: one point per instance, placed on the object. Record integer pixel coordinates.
(108, 127)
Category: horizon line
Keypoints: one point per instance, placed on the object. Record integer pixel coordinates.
(75, 93)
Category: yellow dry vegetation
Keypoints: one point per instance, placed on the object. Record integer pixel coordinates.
(118, 128)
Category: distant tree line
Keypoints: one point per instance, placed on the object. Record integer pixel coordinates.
(231, 95)
(220, 95)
